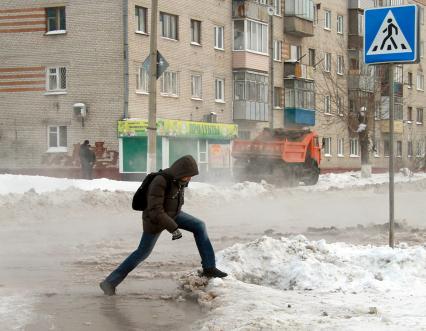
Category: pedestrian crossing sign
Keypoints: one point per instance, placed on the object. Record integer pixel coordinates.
(391, 35)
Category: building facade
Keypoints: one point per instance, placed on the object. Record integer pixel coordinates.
(65, 78)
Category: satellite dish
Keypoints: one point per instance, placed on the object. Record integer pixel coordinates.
(270, 10)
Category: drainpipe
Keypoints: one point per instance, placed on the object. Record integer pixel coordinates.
(126, 57)
(271, 65)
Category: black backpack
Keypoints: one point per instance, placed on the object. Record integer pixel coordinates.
(140, 199)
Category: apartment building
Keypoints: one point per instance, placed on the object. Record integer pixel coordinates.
(73, 70)
(65, 78)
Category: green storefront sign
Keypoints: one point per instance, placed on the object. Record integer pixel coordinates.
(177, 128)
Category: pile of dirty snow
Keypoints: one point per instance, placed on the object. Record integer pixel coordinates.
(296, 284)
(299, 264)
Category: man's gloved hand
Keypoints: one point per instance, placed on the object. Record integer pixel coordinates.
(176, 234)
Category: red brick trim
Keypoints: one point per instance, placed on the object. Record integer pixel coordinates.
(22, 89)
(23, 30)
(20, 10)
(22, 69)
(23, 82)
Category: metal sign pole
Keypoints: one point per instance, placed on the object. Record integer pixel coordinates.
(391, 158)
(152, 116)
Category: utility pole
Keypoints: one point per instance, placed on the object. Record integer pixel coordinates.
(271, 64)
(391, 158)
(152, 117)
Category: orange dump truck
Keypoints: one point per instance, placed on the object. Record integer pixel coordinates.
(279, 156)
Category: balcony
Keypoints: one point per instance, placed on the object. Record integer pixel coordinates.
(299, 103)
(397, 126)
(250, 96)
(249, 60)
(298, 70)
(298, 27)
(360, 82)
(296, 117)
(299, 18)
(355, 42)
(251, 111)
(250, 9)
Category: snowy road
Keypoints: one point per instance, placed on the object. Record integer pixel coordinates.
(60, 238)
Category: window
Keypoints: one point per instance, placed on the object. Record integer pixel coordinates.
(398, 74)
(376, 148)
(312, 60)
(220, 90)
(196, 32)
(340, 24)
(386, 149)
(398, 110)
(218, 37)
(351, 106)
(315, 16)
(299, 94)
(327, 146)
(277, 50)
(339, 105)
(399, 148)
(327, 62)
(410, 114)
(203, 155)
(196, 86)
(239, 35)
(420, 81)
(410, 149)
(57, 79)
(327, 104)
(410, 80)
(295, 53)
(142, 80)
(419, 116)
(57, 136)
(354, 150)
(327, 19)
(300, 8)
(141, 19)
(257, 37)
(340, 65)
(169, 85)
(360, 24)
(250, 86)
(169, 26)
(420, 149)
(340, 147)
(422, 49)
(55, 19)
(277, 97)
(277, 7)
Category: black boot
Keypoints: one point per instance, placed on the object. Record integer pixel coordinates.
(107, 288)
(213, 273)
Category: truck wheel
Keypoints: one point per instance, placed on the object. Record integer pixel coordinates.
(313, 176)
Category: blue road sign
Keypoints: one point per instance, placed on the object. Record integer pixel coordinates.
(162, 64)
(391, 35)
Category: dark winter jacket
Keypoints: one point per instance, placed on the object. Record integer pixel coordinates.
(87, 156)
(163, 206)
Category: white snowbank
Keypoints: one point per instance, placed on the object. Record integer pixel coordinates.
(21, 184)
(41, 184)
(296, 284)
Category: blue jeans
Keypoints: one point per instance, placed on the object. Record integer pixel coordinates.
(148, 240)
